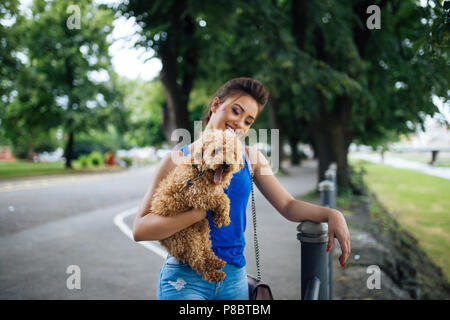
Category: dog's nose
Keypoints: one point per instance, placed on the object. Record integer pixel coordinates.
(225, 165)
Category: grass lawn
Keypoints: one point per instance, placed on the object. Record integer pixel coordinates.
(419, 202)
(24, 168)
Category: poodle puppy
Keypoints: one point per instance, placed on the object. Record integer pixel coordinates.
(197, 182)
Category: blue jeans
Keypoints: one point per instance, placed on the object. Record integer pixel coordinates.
(178, 281)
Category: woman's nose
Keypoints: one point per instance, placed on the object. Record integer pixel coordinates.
(237, 127)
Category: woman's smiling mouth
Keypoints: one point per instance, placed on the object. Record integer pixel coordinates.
(229, 127)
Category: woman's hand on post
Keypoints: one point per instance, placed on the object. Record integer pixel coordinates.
(337, 227)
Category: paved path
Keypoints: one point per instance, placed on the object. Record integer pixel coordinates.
(403, 164)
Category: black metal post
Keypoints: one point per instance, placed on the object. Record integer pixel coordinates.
(314, 259)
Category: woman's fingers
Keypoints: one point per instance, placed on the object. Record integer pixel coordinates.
(330, 241)
(337, 227)
(344, 241)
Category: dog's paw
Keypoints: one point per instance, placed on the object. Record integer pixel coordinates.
(216, 263)
(216, 221)
(220, 220)
(220, 264)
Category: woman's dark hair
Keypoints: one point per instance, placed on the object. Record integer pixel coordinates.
(247, 86)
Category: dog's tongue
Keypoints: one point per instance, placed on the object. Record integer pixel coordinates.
(218, 175)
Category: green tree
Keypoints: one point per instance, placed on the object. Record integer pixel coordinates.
(77, 65)
(144, 101)
(32, 111)
(9, 42)
(9, 62)
(26, 97)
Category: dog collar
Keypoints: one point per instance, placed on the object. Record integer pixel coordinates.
(200, 174)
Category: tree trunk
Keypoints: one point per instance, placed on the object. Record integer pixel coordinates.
(332, 145)
(177, 84)
(30, 148)
(295, 157)
(175, 109)
(340, 139)
(340, 155)
(332, 139)
(69, 150)
(165, 120)
(314, 149)
(323, 147)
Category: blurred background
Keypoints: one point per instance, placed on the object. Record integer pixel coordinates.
(90, 92)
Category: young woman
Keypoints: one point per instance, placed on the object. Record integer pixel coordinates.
(235, 105)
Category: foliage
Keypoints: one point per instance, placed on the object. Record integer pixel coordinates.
(101, 141)
(43, 142)
(95, 159)
(65, 78)
(92, 159)
(128, 160)
(143, 102)
(83, 160)
(9, 35)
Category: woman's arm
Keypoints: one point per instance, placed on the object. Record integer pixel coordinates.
(148, 226)
(297, 210)
(154, 227)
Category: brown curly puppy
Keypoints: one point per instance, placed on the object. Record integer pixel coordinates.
(197, 182)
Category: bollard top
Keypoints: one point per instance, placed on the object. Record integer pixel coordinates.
(330, 173)
(333, 166)
(309, 231)
(326, 185)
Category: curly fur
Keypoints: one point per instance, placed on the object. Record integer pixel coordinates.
(192, 245)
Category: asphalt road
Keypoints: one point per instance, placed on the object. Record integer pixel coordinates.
(49, 224)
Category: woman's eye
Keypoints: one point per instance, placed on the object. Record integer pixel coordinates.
(236, 112)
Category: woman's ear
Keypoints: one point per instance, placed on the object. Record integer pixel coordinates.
(215, 104)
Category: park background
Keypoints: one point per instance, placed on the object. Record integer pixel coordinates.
(104, 97)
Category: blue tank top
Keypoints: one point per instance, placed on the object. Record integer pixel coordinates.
(228, 242)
